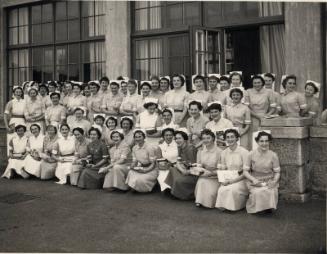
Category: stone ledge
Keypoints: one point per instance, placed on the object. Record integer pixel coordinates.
(295, 179)
(287, 121)
(318, 150)
(288, 132)
(304, 197)
(318, 132)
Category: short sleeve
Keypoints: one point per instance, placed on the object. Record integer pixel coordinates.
(247, 119)
(151, 151)
(8, 108)
(63, 113)
(275, 163)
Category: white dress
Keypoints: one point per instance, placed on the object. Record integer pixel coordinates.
(169, 152)
(35, 145)
(18, 146)
(66, 151)
(148, 121)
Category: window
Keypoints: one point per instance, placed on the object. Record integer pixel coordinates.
(66, 41)
(148, 15)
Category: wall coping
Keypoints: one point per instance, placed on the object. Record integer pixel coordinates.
(286, 122)
(318, 132)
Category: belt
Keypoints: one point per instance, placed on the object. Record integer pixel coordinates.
(17, 116)
(146, 165)
(178, 110)
(67, 155)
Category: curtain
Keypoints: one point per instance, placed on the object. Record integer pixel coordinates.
(270, 9)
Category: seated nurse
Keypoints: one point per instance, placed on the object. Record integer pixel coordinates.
(262, 171)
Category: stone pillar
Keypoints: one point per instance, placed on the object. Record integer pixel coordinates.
(117, 31)
(303, 49)
(318, 159)
(291, 143)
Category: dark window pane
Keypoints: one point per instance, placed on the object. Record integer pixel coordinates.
(47, 14)
(47, 73)
(86, 72)
(61, 55)
(61, 73)
(175, 65)
(73, 29)
(88, 27)
(141, 19)
(174, 15)
(13, 36)
(61, 30)
(73, 51)
(36, 33)
(86, 52)
(73, 9)
(47, 32)
(37, 56)
(142, 69)
(48, 56)
(13, 17)
(23, 74)
(61, 10)
(192, 13)
(37, 73)
(13, 59)
(233, 11)
(36, 14)
(23, 58)
(141, 49)
(73, 72)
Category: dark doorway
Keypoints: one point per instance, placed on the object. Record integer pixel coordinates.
(246, 48)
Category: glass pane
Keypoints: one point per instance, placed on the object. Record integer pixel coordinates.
(175, 65)
(47, 73)
(142, 71)
(61, 55)
(37, 73)
(73, 9)
(86, 52)
(155, 48)
(178, 46)
(92, 52)
(73, 72)
(48, 56)
(154, 3)
(141, 4)
(141, 49)
(99, 7)
(23, 16)
(23, 34)
(23, 58)
(47, 14)
(174, 15)
(87, 8)
(61, 31)
(73, 29)
(99, 52)
(13, 36)
(155, 18)
(36, 14)
(61, 73)
(156, 67)
(37, 56)
(73, 52)
(23, 75)
(99, 25)
(16, 77)
(13, 59)
(141, 19)
(236, 10)
(192, 13)
(61, 10)
(13, 18)
(86, 72)
(47, 32)
(88, 27)
(36, 33)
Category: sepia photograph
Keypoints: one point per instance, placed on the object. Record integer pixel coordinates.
(163, 126)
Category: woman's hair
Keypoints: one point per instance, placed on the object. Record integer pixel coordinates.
(316, 89)
(44, 86)
(128, 120)
(133, 82)
(164, 78)
(64, 125)
(80, 130)
(167, 110)
(155, 78)
(269, 75)
(77, 85)
(180, 77)
(35, 125)
(77, 109)
(182, 133)
(288, 77)
(236, 90)
(208, 132)
(95, 84)
(121, 135)
(236, 74)
(20, 126)
(55, 94)
(222, 78)
(262, 134)
(163, 132)
(145, 84)
(18, 88)
(98, 132)
(111, 118)
(199, 77)
(235, 132)
(52, 83)
(139, 131)
(258, 77)
(33, 88)
(105, 78)
(214, 106)
(197, 103)
(114, 83)
(213, 77)
(52, 126)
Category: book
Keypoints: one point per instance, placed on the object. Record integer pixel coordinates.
(226, 175)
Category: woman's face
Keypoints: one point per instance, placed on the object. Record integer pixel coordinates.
(114, 89)
(32, 93)
(111, 124)
(168, 136)
(207, 139)
(194, 110)
(76, 90)
(213, 83)
(18, 93)
(166, 116)
(131, 88)
(51, 131)
(79, 114)
(64, 131)
(309, 91)
(177, 82)
(231, 139)
(104, 85)
(268, 82)
(43, 91)
(94, 89)
(87, 91)
(20, 132)
(215, 114)
(290, 85)
(116, 138)
(164, 85)
(236, 80)
(138, 138)
(263, 143)
(152, 108)
(55, 99)
(155, 85)
(52, 88)
(257, 84)
(126, 126)
(199, 84)
(224, 85)
(68, 88)
(123, 88)
(236, 97)
(78, 135)
(99, 121)
(145, 90)
(94, 135)
(35, 131)
(179, 140)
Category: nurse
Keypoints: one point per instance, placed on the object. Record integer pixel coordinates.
(313, 105)
(128, 106)
(56, 113)
(111, 102)
(200, 93)
(155, 88)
